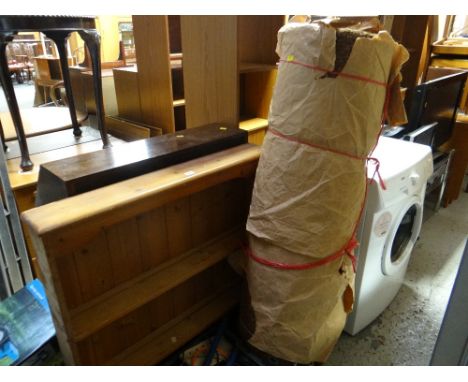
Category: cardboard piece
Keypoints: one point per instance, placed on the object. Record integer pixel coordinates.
(307, 197)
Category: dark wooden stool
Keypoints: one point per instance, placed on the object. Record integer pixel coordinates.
(58, 29)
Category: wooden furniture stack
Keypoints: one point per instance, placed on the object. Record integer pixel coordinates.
(226, 74)
(136, 269)
(151, 93)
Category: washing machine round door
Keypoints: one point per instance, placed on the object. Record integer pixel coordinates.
(402, 237)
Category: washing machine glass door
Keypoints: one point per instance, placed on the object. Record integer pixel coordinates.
(402, 237)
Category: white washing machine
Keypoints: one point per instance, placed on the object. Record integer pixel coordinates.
(389, 227)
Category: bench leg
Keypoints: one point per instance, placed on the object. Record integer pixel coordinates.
(26, 164)
(60, 38)
(92, 40)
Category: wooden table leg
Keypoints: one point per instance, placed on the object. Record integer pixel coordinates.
(26, 164)
(60, 39)
(92, 41)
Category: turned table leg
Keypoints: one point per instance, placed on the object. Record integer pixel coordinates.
(92, 41)
(60, 39)
(9, 91)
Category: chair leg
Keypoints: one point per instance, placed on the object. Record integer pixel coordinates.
(26, 164)
(60, 39)
(92, 40)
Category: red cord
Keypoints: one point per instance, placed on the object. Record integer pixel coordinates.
(352, 243)
(337, 74)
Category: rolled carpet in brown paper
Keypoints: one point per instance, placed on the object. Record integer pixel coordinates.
(325, 117)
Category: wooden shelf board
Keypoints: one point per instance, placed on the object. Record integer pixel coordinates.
(444, 61)
(167, 339)
(118, 302)
(249, 67)
(253, 124)
(132, 69)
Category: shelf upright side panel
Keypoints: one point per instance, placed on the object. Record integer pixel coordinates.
(154, 71)
(209, 47)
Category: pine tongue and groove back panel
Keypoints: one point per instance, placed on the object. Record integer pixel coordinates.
(124, 252)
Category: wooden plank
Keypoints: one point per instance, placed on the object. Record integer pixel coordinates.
(257, 38)
(72, 176)
(210, 69)
(128, 130)
(127, 93)
(252, 67)
(74, 219)
(124, 246)
(176, 333)
(161, 309)
(67, 269)
(154, 71)
(201, 230)
(56, 300)
(127, 297)
(253, 124)
(410, 31)
(86, 352)
(178, 222)
(93, 264)
(257, 137)
(184, 296)
(257, 128)
(121, 334)
(153, 238)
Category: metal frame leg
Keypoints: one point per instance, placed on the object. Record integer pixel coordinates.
(26, 164)
(60, 38)
(93, 40)
(2, 137)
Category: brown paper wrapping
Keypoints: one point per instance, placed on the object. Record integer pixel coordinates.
(306, 201)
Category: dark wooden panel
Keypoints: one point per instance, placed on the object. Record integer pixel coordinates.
(410, 31)
(72, 176)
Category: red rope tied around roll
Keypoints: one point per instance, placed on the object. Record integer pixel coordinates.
(352, 243)
(336, 74)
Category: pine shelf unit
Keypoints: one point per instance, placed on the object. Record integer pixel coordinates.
(136, 269)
